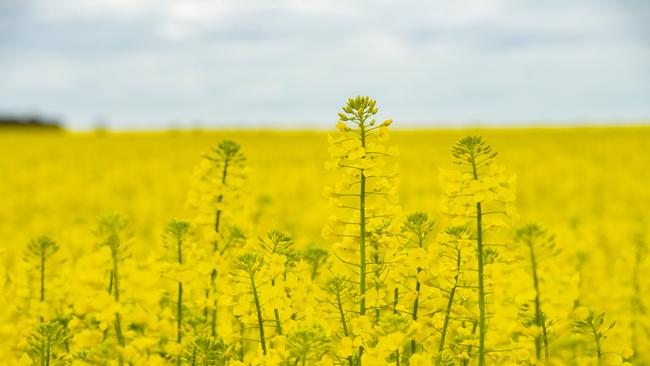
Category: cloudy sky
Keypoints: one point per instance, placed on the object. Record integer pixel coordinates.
(279, 63)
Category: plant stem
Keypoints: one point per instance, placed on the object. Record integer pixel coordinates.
(597, 338)
(179, 317)
(213, 313)
(119, 336)
(179, 301)
(42, 280)
(342, 314)
(481, 285)
(416, 302)
(110, 284)
(224, 174)
(395, 300)
(116, 297)
(376, 270)
(213, 275)
(343, 321)
(469, 348)
(276, 314)
(47, 351)
(260, 321)
(41, 352)
(42, 275)
(450, 304)
(362, 224)
(481, 274)
(241, 348)
(539, 315)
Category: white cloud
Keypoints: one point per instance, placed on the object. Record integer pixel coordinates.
(290, 62)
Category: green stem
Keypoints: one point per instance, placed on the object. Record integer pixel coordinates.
(597, 339)
(110, 284)
(260, 321)
(342, 314)
(179, 302)
(469, 348)
(362, 230)
(395, 300)
(42, 275)
(118, 335)
(416, 302)
(116, 296)
(481, 285)
(41, 352)
(179, 318)
(241, 340)
(276, 314)
(42, 280)
(481, 273)
(539, 315)
(213, 312)
(278, 324)
(376, 284)
(343, 321)
(450, 304)
(224, 174)
(47, 351)
(213, 275)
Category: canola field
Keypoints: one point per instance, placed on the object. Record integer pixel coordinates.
(363, 245)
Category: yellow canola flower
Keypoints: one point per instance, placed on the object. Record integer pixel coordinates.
(85, 339)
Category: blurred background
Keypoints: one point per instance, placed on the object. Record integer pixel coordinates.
(158, 64)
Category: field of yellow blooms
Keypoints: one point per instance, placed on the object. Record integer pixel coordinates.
(364, 245)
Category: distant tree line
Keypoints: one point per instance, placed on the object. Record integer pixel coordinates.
(7, 121)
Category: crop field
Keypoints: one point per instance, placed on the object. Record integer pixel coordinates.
(364, 245)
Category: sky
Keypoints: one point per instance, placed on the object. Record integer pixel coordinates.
(141, 64)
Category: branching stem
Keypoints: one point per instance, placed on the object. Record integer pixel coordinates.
(539, 314)
(258, 308)
(481, 274)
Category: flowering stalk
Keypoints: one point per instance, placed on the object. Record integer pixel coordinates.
(39, 251)
(46, 343)
(175, 236)
(341, 289)
(278, 250)
(481, 271)
(360, 160)
(227, 153)
(306, 345)
(258, 309)
(593, 325)
(249, 264)
(416, 228)
(467, 192)
(215, 190)
(352, 153)
(533, 237)
(111, 231)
